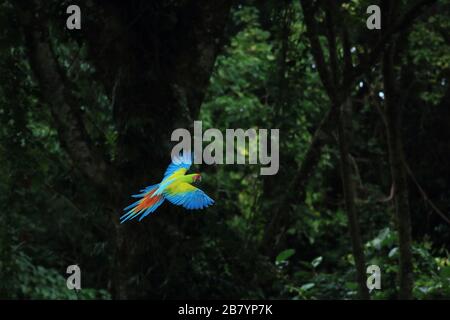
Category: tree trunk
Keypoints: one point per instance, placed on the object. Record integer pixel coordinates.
(348, 187)
(396, 159)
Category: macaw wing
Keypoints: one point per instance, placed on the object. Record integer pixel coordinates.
(188, 196)
(179, 166)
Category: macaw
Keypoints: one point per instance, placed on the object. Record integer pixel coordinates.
(175, 186)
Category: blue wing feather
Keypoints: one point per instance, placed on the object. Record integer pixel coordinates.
(192, 200)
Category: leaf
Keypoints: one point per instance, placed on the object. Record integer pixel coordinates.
(284, 255)
(307, 286)
(393, 252)
(315, 263)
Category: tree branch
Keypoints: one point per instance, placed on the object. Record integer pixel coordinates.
(424, 195)
(316, 48)
(330, 11)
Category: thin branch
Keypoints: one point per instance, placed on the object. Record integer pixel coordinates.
(424, 194)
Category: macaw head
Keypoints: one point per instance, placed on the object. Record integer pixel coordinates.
(197, 177)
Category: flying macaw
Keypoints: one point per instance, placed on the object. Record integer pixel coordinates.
(175, 187)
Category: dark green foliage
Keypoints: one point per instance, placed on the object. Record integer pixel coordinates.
(52, 215)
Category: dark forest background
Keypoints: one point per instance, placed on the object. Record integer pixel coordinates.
(86, 117)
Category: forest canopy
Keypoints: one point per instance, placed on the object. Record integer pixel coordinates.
(86, 117)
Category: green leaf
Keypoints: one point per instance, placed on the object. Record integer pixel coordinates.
(307, 286)
(315, 263)
(284, 255)
(393, 252)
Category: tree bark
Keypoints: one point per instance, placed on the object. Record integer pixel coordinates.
(348, 187)
(398, 174)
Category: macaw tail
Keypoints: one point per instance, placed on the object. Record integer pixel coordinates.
(147, 204)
